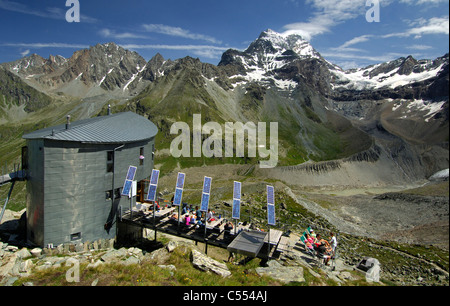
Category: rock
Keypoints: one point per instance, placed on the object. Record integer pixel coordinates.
(94, 265)
(36, 252)
(136, 252)
(23, 253)
(7, 269)
(11, 248)
(25, 267)
(205, 263)
(10, 281)
(131, 261)
(159, 256)
(113, 255)
(282, 273)
(172, 245)
(168, 267)
(345, 275)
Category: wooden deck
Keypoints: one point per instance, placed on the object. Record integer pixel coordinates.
(214, 233)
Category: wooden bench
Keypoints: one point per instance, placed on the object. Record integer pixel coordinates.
(283, 245)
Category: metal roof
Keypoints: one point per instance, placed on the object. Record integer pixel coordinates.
(248, 243)
(112, 129)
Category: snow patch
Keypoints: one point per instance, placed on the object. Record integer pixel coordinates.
(360, 79)
(441, 175)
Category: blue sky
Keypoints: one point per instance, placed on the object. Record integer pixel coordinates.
(338, 29)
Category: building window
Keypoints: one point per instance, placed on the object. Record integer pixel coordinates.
(110, 162)
(141, 156)
(153, 152)
(117, 194)
(76, 236)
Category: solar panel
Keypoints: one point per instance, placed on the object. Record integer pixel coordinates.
(205, 202)
(129, 181)
(179, 189)
(151, 195)
(237, 190)
(270, 195)
(207, 185)
(237, 201)
(271, 215)
(178, 197)
(180, 180)
(131, 173)
(127, 188)
(155, 177)
(236, 209)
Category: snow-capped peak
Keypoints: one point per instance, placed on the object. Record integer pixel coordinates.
(393, 74)
(282, 43)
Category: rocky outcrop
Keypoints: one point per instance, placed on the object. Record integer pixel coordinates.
(207, 264)
(285, 274)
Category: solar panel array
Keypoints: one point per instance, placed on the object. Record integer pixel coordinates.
(126, 191)
(237, 200)
(206, 194)
(271, 206)
(179, 189)
(151, 195)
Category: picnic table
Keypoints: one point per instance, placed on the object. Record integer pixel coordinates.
(213, 224)
(274, 237)
(160, 213)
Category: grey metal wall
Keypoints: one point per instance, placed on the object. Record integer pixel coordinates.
(35, 192)
(75, 182)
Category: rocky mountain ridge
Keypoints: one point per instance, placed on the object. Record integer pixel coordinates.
(273, 58)
(324, 112)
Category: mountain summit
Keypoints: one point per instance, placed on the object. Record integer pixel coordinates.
(271, 59)
(324, 112)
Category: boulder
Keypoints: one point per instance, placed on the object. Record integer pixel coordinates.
(23, 253)
(282, 273)
(36, 252)
(113, 255)
(160, 256)
(205, 263)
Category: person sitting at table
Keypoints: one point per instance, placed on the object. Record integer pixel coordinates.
(210, 216)
(198, 213)
(199, 223)
(193, 218)
(323, 248)
(309, 242)
(185, 209)
(174, 216)
(228, 228)
(187, 219)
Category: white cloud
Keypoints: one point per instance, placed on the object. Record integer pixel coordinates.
(45, 45)
(112, 34)
(419, 47)
(420, 2)
(25, 53)
(49, 12)
(356, 40)
(328, 13)
(199, 50)
(435, 25)
(178, 32)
